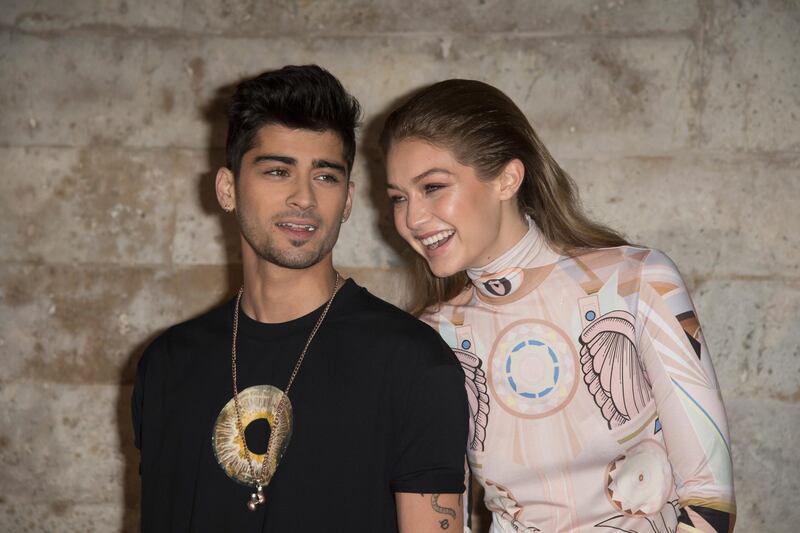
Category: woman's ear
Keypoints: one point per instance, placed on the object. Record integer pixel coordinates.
(510, 179)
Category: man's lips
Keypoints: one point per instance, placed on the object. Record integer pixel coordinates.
(296, 225)
(298, 228)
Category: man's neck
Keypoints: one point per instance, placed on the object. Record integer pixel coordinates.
(275, 294)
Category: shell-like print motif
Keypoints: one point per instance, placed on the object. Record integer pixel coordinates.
(477, 395)
(611, 367)
(640, 481)
(638, 485)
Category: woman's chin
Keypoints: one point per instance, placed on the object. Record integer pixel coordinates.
(442, 270)
(442, 262)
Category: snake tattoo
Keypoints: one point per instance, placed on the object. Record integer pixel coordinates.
(444, 523)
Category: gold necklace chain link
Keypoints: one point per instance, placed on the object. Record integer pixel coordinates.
(261, 479)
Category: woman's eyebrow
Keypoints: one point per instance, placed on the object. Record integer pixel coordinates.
(434, 170)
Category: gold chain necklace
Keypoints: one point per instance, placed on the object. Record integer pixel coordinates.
(264, 476)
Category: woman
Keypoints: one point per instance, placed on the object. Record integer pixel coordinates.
(593, 399)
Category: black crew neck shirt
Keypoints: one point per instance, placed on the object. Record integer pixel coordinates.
(378, 405)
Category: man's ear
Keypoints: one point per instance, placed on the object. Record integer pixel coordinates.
(348, 203)
(225, 186)
(510, 179)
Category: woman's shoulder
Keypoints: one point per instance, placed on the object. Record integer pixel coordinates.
(629, 255)
(433, 314)
(631, 265)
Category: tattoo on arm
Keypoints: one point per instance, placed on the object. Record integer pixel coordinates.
(443, 523)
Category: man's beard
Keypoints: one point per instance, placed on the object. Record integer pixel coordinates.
(297, 256)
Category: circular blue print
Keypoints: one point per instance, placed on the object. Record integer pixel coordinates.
(465, 344)
(533, 369)
(537, 369)
(590, 315)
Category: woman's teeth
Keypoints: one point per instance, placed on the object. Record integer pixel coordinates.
(434, 241)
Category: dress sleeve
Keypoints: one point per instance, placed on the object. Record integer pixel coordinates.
(688, 399)
(431, 432)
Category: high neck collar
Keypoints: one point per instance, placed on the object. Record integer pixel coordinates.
(504, 275)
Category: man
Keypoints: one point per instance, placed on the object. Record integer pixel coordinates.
(305, 403)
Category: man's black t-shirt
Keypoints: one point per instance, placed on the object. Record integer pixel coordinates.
(378, 407)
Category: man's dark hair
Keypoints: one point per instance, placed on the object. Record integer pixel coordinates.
(303, 97)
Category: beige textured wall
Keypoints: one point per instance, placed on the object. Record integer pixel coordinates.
(679, 121)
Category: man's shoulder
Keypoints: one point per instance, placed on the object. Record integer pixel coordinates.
(192, 334)
(385, 323)
(387, 317)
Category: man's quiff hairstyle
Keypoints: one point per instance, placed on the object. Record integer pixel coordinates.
(298, 97)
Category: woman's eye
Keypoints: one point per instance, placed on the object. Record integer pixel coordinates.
(395, 199)
(432, 187)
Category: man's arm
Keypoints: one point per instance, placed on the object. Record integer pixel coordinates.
(431, 417)
(429, 513)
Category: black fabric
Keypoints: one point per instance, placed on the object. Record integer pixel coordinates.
(683, 517)
(719, 520)
(379, 407)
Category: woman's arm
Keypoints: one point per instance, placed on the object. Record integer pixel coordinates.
(688, 399)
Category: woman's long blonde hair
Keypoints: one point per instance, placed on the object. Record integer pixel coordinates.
(485, 130)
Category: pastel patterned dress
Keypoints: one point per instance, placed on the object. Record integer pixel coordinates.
(594, 403)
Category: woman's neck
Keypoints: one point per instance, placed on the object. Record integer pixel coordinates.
(504, 274)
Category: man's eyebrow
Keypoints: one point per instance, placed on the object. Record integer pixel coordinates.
(275, 157)
(287, 160)
(324, 163)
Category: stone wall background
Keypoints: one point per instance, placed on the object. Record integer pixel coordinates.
(678, 120)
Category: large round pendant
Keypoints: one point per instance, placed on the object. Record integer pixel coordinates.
(257, 402)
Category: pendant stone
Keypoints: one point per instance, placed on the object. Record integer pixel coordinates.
(256, 498)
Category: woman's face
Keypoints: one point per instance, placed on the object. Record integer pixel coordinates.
(442, 209)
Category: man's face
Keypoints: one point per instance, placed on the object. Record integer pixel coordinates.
(292, 194)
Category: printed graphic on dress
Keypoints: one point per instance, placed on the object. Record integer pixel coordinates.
(708, 519)
(611, 367)
(640, 481)
(501, 283)
(477, 397)
(665, 521)
(477, 391)
(691, 326)
(533, 369)
(501, 500)
(638, 484)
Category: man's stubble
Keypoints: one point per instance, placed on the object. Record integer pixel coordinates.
(300, 255)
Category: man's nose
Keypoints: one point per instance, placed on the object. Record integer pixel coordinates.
(302, 196)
